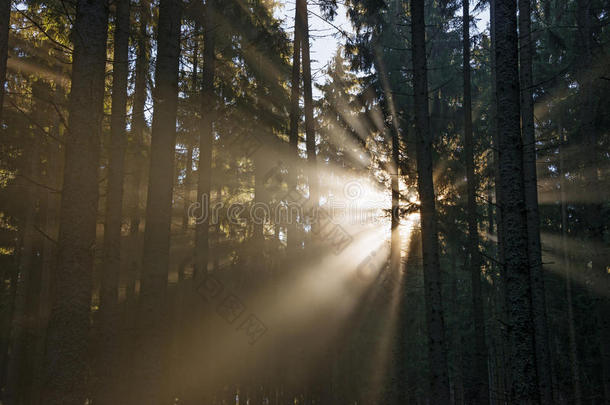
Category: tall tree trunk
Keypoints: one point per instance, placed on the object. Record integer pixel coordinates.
(495, 140)
(68, 331)
(543, 359)
(573, 347)
(29, 276)
(310, 133)
(480, 374)
(109, 316)
(151, 336)
(586, 17)
(437, 355)
(395, 189)
(188, 177)
(5, 13)
(136, 163)
(204, 167)
(137, 145)
(524, 388)
(295, 93)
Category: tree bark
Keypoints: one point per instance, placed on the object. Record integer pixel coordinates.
(204, 167)
(68, 331)
(437, 355)
(151, 336)
(524, 388)
(109, 316)
(480, 383)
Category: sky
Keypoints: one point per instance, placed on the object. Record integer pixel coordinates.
(325, 37)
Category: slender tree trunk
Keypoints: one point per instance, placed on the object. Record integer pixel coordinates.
(437, 355)
(480, 383)
(574, 359)
(49, 222)
(68, 331)
(310, 133)
(204, 167)
(109, 316)
(151, 337)
(543, 359)
(395, 189)
(5, 18)
(188, 177)
(514, 220)
(17, 381)
(136, 163)
(137, 147)
(295, 92)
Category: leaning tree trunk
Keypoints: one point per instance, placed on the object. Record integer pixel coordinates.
(109, 316)
(151, 336)
(543, 359)
(480, 374)
(204, 167)
(68, 330)
(437, 355)
(5, 12)
(524, 388)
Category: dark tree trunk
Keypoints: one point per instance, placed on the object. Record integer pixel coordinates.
(543, 360)
(295, 93)
(310, 133)
(137, 147)
(395, 189)
(5, 13)
(151, 335)
(29, 276)
(437, 355)
(501, 288)
(136, 162)
(68, 331)
(188, 177)
(479, 388)
(595, 224)
(109, 317)
(204, 167)
(524, 388)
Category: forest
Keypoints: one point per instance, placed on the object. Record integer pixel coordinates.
(293, 202)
